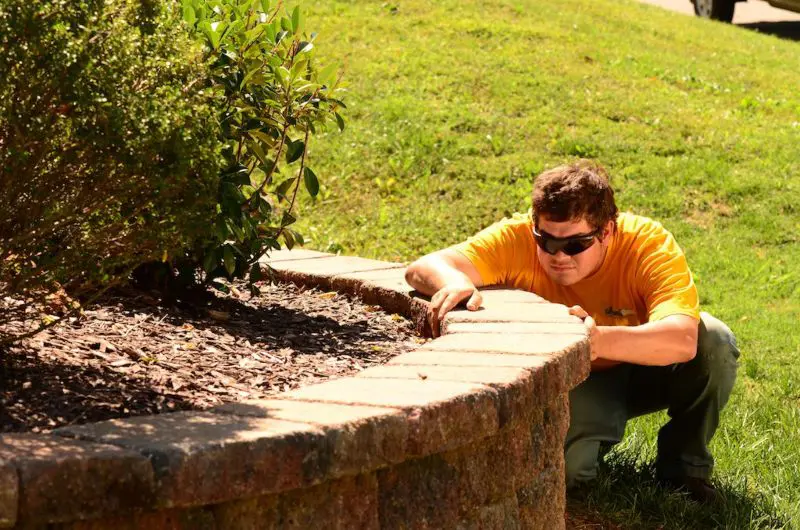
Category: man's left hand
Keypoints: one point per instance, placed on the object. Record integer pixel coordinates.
(591, 327)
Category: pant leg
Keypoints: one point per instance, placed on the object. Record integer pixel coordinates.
(597, 416)
(694, 393)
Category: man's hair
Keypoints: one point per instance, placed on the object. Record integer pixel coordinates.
(576, 191)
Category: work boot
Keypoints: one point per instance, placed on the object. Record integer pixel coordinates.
(698, 489)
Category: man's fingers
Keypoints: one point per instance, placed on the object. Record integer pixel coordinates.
(449, 303)
(578, 311)
(475, 301)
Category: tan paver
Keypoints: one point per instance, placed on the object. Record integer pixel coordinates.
(497, 296)
(9, 495)
(516, 328)
(441, 414)
(362, 438)
(203, 458)
(514, 312)
(460, 358)
(333, 266)
(276, 256)
(527, 344)
(63, 480)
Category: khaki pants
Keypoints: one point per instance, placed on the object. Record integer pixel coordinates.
(693, 393)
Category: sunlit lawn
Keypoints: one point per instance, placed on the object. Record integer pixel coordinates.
(455, 105)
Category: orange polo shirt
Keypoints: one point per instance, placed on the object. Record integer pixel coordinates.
(643, 278)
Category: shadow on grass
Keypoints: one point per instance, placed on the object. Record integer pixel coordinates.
(789, 30)
(626, 496)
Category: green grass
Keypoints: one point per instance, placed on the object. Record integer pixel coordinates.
(455, 105)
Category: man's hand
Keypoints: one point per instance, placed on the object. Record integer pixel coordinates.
(670, 340)
(591, 327)
(447, 298)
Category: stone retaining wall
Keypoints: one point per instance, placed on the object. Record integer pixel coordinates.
(465, 432)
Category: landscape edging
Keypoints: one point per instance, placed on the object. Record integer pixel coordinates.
(421, 404)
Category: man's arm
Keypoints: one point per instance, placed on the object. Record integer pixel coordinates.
(449, 278)
(670, 340)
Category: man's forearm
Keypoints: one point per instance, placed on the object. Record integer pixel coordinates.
(669, 341)
(431, 273)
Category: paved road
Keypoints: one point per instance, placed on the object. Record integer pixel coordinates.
(750, 12)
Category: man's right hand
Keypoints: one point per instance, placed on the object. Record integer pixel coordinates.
(449, 297)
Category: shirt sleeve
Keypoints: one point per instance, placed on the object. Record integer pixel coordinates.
(663, 277)
(494, 251)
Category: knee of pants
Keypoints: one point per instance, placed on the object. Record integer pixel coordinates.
(717, 352)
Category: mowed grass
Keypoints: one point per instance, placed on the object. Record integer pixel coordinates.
(454, 106)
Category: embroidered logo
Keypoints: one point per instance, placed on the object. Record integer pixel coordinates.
(619, 313)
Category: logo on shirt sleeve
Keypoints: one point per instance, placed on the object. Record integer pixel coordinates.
(619, 313)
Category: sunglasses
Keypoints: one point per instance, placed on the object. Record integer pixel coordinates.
(570, 246)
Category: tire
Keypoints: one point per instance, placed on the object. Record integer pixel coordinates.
(721, 10)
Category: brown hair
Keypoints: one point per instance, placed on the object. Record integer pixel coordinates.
(576, 191)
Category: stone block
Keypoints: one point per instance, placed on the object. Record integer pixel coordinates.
(319, 272)
(9, 495)
(514, 312)
(441, 414)
(348, 503)
(493, 296)
(359, 438)
(552, 374)
(542, 501)
(295, 254)
(63, 480)
(503, 515)
(528, 344)
(171, 519)
(515, 390)
(391, 279)
(445, 490)
(516, 328)
(202, 458)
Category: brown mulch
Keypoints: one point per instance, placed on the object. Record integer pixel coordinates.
(131, 354)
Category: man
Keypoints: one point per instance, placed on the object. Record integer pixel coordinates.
(626, 277)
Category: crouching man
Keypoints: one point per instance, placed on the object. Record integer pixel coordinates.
(627, 278)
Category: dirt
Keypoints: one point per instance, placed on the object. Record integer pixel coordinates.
(132, 354)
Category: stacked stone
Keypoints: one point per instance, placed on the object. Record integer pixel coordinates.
(465, 432)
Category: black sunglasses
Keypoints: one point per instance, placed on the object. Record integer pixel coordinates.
(570, 246)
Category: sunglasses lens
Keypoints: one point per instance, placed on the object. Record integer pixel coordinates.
(570, 247)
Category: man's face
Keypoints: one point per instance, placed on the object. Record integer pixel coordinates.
(564, 269)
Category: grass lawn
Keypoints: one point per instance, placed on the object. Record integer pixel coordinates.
(455, 105)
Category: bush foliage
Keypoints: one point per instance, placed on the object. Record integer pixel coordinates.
(134, 132)
(108, 158)
(271, 97)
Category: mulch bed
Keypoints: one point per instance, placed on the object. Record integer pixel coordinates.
(131, 355)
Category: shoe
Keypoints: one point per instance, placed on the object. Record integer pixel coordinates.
(698, 489)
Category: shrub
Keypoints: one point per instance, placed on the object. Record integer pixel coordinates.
(108, 152)
(271, 97)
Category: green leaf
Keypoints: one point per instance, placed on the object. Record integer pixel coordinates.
(255, 148)
(265, 6)
(256, 274)
(286, 24)
(339, 121)
(284, 186)
(288, 239)
(295, 151)
(296, 19)
(326, 75)
(311, 181)
(229, 259)
(263, 137)
(288, 219)
(210, 262)
(189, 15)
